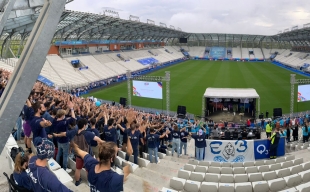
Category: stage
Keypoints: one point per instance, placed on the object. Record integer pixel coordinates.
(219, 104)
(229, 116)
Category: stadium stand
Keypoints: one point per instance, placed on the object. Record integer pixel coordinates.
(245, 53)
(266, 53)
(236, 53)
(258, 53)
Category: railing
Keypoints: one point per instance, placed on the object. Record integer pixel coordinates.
(8, 61)
(150, 110)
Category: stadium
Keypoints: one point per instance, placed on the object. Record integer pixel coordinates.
(126, 73)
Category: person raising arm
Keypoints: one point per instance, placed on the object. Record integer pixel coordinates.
(100, 175)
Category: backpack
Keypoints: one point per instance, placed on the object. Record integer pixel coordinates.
(80, 140)
(15, 151)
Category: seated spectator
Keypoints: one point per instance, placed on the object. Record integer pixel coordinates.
(41, 178)
(20, 174)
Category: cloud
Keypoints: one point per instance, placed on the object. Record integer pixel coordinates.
(262, 17)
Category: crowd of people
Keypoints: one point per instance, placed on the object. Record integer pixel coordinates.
(289, 127)
(58, 124)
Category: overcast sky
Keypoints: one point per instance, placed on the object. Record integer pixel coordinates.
(263, 17)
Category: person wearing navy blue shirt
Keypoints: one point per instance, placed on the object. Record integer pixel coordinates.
(134, 135)
(152, 140)
(200, 144)
(101, 177)
(61, 125)
(20, 174)
(110, 131)
(37, 123)
(94, 144)
(88, 137)
(176, 140)
(41, 178)
(184, 136)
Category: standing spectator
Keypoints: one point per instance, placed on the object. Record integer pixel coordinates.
(295, 132)
(184, 137)
(110, 132)
(134, 135)
(200, 144)
(268, 129)
(176, 140)
(28, 111)
(38, 124)
(267, 114)
(288, 134)
(305, 133)
(152, 143)
(61, 125)
(207, 131)
(100, 175)
(83, 139)
(20, 175)
(275, 138)
(94, 144)
(42, 179)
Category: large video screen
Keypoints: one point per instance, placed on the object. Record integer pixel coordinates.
(303, 93)
(147, 89)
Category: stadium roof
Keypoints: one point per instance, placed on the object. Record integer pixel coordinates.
(297, 36)
(80, 25)
(234, 37)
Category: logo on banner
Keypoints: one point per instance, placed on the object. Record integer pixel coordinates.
(229, 151)
(225, 153)
(146, 84)
(261, 149)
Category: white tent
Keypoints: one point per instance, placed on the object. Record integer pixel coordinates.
(230, 93)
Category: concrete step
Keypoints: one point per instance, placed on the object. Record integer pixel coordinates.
(171, 171)
(160, 180)
(135, 183)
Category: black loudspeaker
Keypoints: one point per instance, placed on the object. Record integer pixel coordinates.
(123, 101)
(181, 110)
(277, 112)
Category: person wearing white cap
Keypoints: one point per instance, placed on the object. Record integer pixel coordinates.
(200, 144)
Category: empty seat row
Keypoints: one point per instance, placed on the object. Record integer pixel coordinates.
(252, 169)
(240, 178)
(241, 164)
(287, 184)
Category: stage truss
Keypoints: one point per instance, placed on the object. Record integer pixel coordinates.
(165, 78)
(294, 82)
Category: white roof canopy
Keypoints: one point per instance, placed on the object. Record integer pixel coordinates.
(231, 93)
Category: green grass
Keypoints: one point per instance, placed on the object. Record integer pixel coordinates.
(190, 79)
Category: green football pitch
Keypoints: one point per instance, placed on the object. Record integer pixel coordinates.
(190, 79)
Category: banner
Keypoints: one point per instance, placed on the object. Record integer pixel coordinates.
(45, 81)
(261, 148)
(230, 151)
(83, 68)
